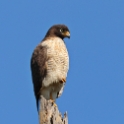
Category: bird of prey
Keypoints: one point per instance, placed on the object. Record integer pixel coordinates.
(50, 64)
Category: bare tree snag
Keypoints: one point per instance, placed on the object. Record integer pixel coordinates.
(49, 113)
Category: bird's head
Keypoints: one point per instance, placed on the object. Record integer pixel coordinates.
(61, 31)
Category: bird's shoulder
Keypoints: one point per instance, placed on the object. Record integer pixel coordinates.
(39, 55)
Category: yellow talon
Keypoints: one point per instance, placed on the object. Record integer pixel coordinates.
(55, 104)
(63, 80)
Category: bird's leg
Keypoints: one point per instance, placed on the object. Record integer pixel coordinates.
(53, 101)
(63, 80)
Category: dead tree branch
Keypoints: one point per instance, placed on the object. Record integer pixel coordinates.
(49, 113)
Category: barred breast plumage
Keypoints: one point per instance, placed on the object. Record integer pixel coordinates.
(58, 61)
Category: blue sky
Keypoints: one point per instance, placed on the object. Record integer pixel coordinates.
(94, 92)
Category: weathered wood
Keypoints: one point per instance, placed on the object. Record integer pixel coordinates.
(49, 113)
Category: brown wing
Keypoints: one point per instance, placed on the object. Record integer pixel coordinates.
(38, 68)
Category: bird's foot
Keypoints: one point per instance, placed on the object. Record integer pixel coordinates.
(63, 80)
(53, 102)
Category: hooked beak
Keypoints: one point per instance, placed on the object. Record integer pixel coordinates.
(67, 34)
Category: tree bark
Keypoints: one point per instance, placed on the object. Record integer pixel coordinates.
(49, 113)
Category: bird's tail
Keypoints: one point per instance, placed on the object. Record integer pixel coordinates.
(37, 104)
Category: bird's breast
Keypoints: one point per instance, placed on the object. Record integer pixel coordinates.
(57, 62)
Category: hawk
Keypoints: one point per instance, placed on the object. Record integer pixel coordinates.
(50, 64)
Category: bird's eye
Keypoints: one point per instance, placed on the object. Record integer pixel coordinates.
(61, 30)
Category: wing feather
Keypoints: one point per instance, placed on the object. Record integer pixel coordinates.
(38, 69)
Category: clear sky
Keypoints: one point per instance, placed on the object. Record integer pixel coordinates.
(94, 92)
